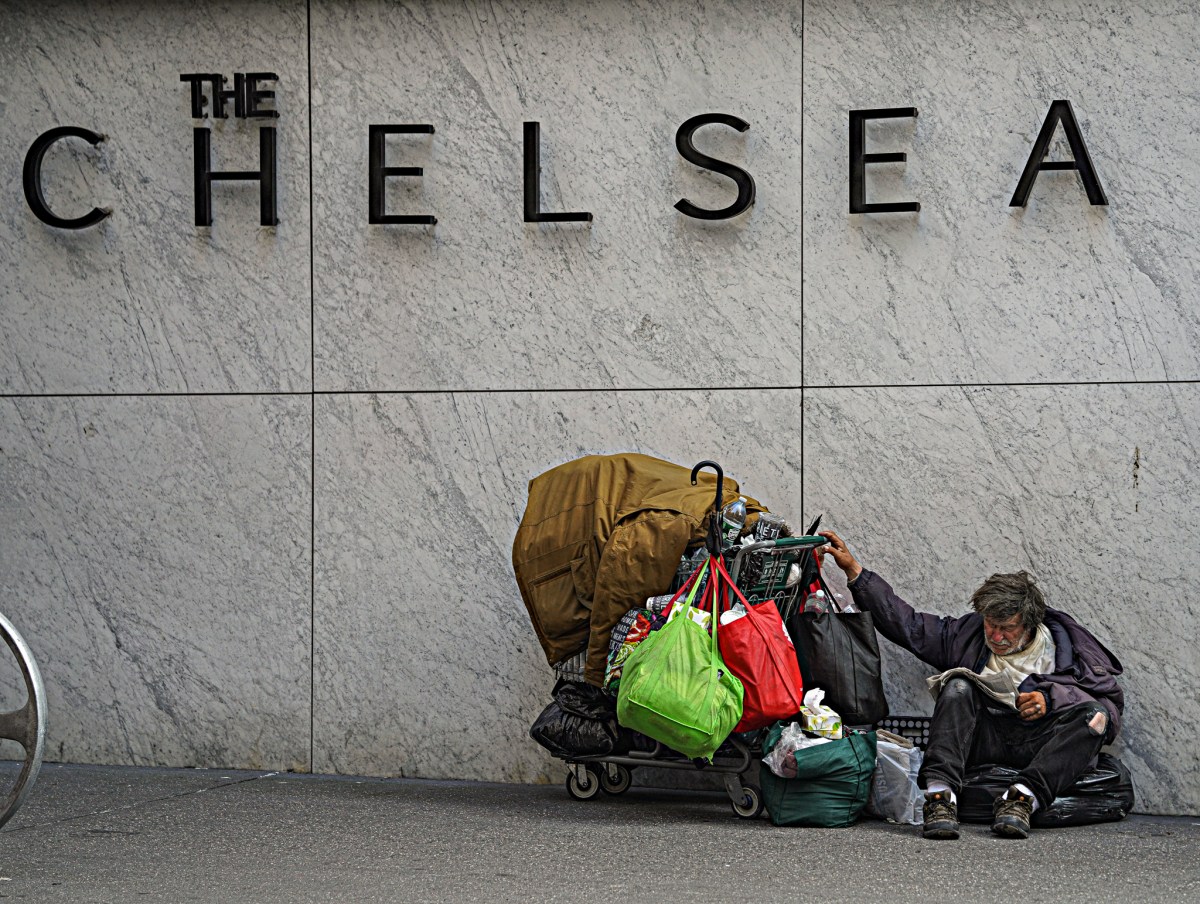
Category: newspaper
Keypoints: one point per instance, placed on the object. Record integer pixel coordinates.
(997, 685)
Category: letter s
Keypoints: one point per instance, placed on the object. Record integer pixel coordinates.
(687, 150)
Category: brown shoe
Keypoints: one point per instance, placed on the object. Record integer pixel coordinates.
(941, 816)
(1010, 815)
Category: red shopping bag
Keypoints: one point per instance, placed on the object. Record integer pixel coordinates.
(758, 650)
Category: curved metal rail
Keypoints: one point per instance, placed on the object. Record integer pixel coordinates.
(27, 725)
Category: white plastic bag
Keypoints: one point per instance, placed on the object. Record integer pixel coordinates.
(782, 758)
(895, 795)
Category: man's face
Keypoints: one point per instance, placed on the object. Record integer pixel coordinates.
(1004, 637)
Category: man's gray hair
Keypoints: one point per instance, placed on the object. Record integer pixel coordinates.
(1002, 596)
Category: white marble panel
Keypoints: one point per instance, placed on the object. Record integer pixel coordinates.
(155, 554)
(970, 289)
(146, 301)
(1091, 489)
(426, 662)
(643, 296)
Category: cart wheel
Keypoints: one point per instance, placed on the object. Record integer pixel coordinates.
(588, 788)
(615, 779)
(751, 804)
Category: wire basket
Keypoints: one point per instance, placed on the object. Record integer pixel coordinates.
(761, 575)
(764, 576)
(571, 668)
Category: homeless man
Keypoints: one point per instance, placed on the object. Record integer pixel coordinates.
(1068, 702)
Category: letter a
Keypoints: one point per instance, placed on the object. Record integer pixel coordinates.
(1060, 111)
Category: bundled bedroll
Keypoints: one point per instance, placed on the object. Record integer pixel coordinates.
(599, 536)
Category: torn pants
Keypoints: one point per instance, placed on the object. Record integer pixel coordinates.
(968, 729)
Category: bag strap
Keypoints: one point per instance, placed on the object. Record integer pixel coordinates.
(810, 577)
(733, 586)
(834, 605)
(712, 598)
(692, 578)
(694, 583)
(713, 592)
(771, 649)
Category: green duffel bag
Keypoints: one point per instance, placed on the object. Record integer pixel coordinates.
(675, 687)
(832, 783)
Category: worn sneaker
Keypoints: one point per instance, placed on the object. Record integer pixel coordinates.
(1010, 815)
(941, 816)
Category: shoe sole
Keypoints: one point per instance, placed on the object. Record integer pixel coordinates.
(1008, 829)
(943, 832)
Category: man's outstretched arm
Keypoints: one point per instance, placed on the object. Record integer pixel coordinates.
(924, 635)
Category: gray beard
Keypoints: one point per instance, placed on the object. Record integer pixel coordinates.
(1017, 648)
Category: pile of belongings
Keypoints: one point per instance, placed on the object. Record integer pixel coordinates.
(600, 540)
(601, 537)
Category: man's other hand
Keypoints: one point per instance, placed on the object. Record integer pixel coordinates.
(1031, 706)
(841, 555)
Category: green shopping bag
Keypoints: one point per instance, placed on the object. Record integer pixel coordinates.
(831, 786)
(676, 688)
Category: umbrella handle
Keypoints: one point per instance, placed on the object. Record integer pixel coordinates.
(714, 525)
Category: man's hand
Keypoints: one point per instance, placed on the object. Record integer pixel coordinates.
(841, 555)
(1032, 706)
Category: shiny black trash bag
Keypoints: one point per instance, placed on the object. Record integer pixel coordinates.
(1103, 793)
(582, 721)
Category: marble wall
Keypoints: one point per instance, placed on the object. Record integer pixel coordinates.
(146, 302)
(157, 561)
(260, 484)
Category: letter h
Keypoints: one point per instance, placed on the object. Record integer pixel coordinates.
(265, 175)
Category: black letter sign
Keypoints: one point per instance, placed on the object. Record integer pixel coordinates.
(265, 174)
(199, 101)
(32, 177)
(687, 150)
(533, 182)
(378, 170)
(1060, 111)
(859, 161)
(255, 95)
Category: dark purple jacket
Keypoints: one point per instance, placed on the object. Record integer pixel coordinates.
(1084, 670)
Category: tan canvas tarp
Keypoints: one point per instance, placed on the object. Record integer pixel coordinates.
(599, 536)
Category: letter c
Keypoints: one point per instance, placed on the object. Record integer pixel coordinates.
(32, 177)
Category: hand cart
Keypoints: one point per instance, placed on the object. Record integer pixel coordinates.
(766, 570)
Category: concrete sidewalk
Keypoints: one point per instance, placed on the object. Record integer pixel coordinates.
(108, 834)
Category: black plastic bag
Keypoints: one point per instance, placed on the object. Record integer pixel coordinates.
(581, 721)
(1103, 793)
(585, 700)
(839, 653)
